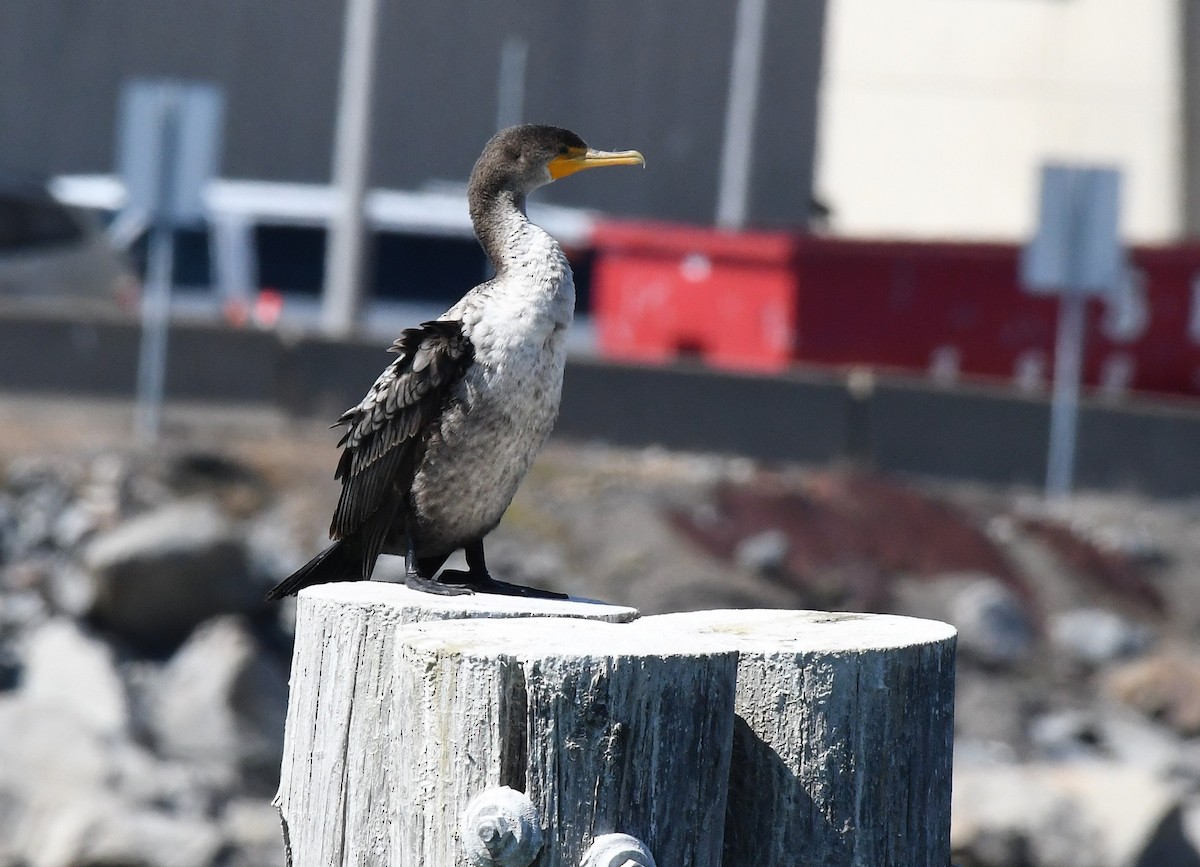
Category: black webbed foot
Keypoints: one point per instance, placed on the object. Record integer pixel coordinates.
(482, 582)
(431, 585)
(416, 570)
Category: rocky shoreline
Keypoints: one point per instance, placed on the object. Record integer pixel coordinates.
(143, 681)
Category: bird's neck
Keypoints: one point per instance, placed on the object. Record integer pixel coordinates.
(499, 219)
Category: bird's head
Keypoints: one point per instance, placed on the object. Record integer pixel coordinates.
(523, 158)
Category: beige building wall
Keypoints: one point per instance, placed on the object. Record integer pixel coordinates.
(935, 114)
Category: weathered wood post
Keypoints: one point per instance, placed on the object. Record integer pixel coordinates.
(844, 737)
(409, 743)
(607, 730)
(335, 795)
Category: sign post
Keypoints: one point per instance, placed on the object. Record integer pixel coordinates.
(168, 143)
(1075, 254)
(351, 162)
(737, 145)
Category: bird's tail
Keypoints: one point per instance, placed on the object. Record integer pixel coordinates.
(341, 561)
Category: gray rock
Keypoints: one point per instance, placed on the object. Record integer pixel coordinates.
(1191, 820)
(1066, 836)
(105, 832)
(29, 572)
(1104, 731)
(70, 589)
(102, 491)
(42, 492)
(57, 772)
(142, 779)
(222, 703)
(763, 553)
(991, 847)
(161, 574)
(73, 795)
(993, 626)
(1164, 686)
(1094, 636)
(1107, 732)
(989, 708)
(272, 548)
(76, 673)
(253, 832)
(1130, 737)
(21, 611)
(1081, 814)
(8, 528)
(73, 524)
(971, 751)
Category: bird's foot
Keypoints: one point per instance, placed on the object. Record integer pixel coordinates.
(431, 585)
(485, 583)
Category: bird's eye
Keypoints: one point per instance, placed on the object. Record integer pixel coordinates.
(563, 151)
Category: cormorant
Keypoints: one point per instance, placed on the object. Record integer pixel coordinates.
(436, 450)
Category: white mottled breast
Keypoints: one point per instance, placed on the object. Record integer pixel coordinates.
(507, 403)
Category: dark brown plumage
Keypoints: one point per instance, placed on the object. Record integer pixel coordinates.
(434, 452)
(382, 448)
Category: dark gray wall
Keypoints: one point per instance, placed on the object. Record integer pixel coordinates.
(650, 74)
(900, 426)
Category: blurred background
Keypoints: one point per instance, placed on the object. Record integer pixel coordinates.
(808, 370)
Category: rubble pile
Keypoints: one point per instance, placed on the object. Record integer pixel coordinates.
(143, 681)
(1078, 684)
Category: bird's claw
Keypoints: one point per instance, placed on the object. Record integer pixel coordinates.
(485, 583)
(439, 588)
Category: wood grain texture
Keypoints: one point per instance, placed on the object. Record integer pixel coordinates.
(843, 740)
(336, 786)
(604, 727)
(720, 739)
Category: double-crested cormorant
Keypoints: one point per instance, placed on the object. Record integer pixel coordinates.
(435, 451)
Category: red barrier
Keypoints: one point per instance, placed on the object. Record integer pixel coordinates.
(761, 301)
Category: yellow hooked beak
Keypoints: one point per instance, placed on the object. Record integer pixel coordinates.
(578, 159)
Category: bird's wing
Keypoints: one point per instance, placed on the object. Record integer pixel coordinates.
(385, 433)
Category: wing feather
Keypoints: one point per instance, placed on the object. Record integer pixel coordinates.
(385, 433)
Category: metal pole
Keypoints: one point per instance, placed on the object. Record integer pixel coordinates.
(733, 189)
(344, 262)
(152, 354)
(1064, 407)
(510, 100)
(160, 266)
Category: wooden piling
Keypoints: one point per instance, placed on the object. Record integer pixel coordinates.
(605, 729)
(335, 808)
(844, 737)
(715, 739)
